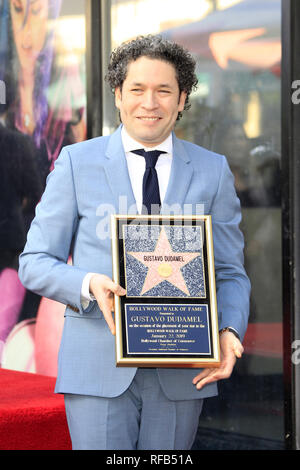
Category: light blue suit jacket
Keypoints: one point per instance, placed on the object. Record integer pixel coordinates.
(84, 188)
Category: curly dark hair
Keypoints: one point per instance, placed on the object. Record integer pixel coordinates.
(154, 47)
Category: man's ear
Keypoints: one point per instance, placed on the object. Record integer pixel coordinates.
(181, 101)
(118, 97)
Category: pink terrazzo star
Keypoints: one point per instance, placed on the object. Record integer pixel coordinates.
(164, 264)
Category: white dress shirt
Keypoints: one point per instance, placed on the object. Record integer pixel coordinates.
(136, 168)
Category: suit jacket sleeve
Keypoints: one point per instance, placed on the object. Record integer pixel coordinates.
(233, 286)
(43, 263)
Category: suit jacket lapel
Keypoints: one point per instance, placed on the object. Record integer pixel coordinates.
(180, 178)
(117, 174)
(119, 181)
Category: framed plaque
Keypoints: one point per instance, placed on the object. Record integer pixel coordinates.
(168, 317)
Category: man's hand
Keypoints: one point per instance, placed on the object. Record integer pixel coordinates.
(103, 289)
(231, 348)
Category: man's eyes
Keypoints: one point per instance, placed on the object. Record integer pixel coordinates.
(140, 90)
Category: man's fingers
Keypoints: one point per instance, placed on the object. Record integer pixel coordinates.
(109, 319)
(238, 350)
(107, 304)
(201, 376)
(231, 349)
(100, 282)
(114, 287)
(210, 375)
(104, 289)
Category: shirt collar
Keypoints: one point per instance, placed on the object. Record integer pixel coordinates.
(130, 144)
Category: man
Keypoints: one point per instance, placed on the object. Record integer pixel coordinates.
(127, 408)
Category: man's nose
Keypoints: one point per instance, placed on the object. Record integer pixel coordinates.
(149, 101)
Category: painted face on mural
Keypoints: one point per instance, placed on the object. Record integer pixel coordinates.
(29, 24)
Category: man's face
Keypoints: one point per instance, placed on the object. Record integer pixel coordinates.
(149, 100)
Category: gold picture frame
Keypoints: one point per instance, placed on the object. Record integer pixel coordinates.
(168, 317)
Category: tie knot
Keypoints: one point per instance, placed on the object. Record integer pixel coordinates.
(150, 157)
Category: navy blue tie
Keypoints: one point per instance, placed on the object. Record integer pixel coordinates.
(151, 197)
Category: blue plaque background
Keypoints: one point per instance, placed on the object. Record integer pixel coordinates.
(174, 329)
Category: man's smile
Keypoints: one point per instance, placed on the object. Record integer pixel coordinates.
(145, 118)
